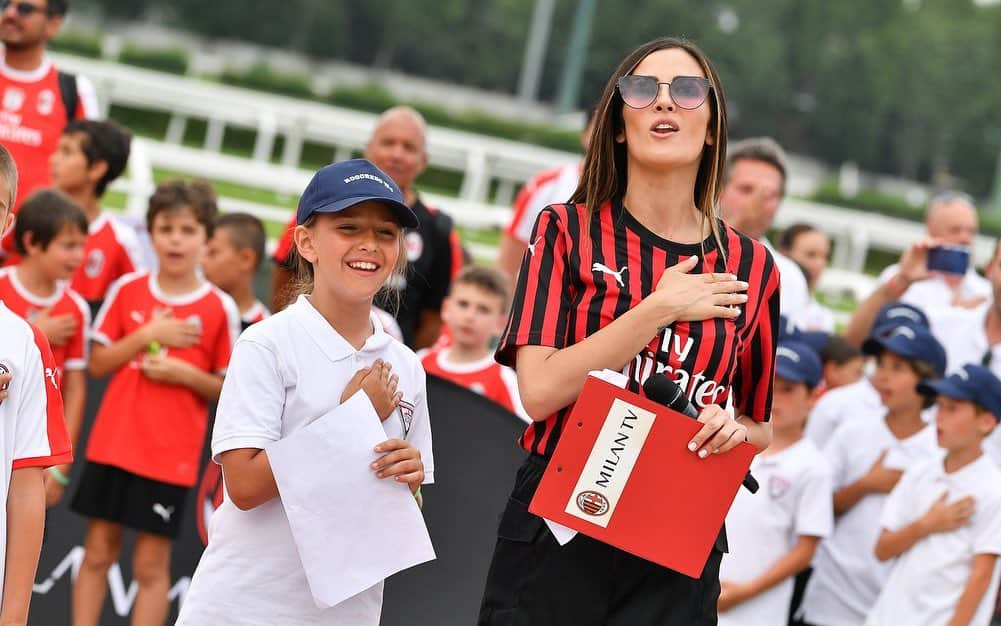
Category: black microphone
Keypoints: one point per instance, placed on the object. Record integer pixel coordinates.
(663, 390)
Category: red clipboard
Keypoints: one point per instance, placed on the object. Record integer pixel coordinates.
(622, 474)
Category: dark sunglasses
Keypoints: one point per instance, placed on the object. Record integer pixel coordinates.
(23, 9)
(639, 92)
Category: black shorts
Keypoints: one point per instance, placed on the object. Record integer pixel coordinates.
(534, 581)
(142, 504)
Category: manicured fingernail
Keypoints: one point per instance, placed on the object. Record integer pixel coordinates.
(379, 474)
(744, 284)
(703, 453)
(375, 465)
(378, 448)
(692, 445)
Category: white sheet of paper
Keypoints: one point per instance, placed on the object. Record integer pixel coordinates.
(352, 530)
(561, 533)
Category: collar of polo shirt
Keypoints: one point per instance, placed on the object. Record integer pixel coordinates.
(328, 340)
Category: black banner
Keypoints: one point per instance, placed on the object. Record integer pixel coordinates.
(476, 457)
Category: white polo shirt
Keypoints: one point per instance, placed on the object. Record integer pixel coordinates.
(963, 334)
(928, 580)
(794, 500)
(286, 371)
(847, 577)
(795, 294)
(818, 317)
(858, 401)
(934, 293)
(32, 426)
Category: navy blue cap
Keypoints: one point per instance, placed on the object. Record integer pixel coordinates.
(898, 314)
(910, 342)
(816, 339)
(343, 185)
(974, 382)
(798, 362)
(786, 328)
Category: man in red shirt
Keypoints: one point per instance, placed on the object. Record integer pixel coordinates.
(36, 100)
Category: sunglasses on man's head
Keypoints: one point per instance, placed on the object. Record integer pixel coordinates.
(23, 9)
(639, 92)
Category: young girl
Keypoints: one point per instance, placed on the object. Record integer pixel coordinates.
(289, 370)
(637, 275)
(166, 337)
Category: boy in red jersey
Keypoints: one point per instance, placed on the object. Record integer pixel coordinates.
(90, 155)
(166, 337)
(32, 436)
(475, 311)
(232, 257)
(49, 237)
(37, 99)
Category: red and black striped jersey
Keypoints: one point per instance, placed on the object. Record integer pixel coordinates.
(573, 283)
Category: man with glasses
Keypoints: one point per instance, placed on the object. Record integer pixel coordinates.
(36, 100)
(753, 187)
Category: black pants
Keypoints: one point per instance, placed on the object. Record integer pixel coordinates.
(533, 581)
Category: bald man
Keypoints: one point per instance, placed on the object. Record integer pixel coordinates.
(951, 219)
(397, 146)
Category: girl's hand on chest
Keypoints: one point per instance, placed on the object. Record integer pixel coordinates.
(379, 384)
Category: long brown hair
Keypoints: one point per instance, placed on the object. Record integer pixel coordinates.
(605, 163)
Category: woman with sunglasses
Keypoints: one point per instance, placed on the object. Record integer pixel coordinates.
(637, 274)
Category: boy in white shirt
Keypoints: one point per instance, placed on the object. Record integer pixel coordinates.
(859, 400)
(942, 523)
(773, 534)
(867, 458)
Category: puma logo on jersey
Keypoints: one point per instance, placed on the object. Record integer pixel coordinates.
(51, 373)
(604, 269)
(531, 246)
(137, 317)
(165, 512)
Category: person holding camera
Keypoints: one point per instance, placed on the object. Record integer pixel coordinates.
(951, 220)
(934, 274)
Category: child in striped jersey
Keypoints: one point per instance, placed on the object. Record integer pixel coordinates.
(475, 311)
(49, 238)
